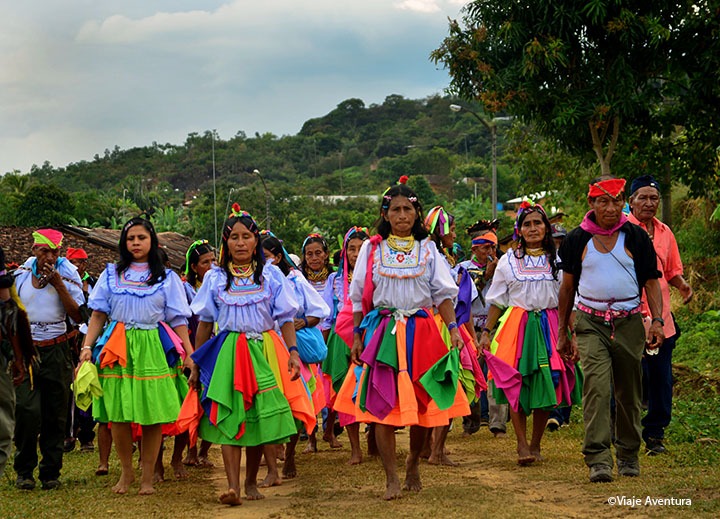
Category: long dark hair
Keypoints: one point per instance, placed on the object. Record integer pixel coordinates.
(155, 260)
(274, 245)
(548, 244)
(315, 238)
(225, 257)
(383, 226)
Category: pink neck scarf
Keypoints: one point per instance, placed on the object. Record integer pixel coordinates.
(592, 227)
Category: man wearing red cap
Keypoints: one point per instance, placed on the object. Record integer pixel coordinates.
(51, 290)
(607, 262)
(82, 425)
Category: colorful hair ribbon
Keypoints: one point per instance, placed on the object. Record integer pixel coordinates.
(438, 219)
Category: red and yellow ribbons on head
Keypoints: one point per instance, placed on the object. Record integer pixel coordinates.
(526, 206)
(613, 187)
(47, 238)
(438, 219)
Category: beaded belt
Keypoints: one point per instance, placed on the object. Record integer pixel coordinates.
(609, 315)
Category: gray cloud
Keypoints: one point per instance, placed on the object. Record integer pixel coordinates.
(82, 76)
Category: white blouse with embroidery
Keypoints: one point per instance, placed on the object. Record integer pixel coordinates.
(419, 278)
(525, 282)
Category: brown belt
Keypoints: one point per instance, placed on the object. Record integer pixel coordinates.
(57, 340)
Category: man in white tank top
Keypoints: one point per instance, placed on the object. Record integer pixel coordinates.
(51, 290)
(607, 262)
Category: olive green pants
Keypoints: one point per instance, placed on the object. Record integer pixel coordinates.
(611, 364)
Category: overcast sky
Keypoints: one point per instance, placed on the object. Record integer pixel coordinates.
(80, 76)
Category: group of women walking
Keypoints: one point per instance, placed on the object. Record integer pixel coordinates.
(255, 346)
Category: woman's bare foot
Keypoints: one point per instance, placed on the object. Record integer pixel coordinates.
(412, 478)
(179, 469)
(441, 460)
(355, 458)
(281, 452)
(252, 493)
(205, 463)
(159, 474)
(271, 480)
(146, 489)
(525, 457)
(123, 484)
(230, 498)
(311, 446)
(536, 453)
(392, 491)
(289, 470)
(191, 458)
(329, 437)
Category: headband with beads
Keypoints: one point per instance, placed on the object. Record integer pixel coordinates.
(286, 255)
(193, 247)
(236, 212)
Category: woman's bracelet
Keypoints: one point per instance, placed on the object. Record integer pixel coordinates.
(486, 330)
(292, 349)
(87, 348)
(452, 326)
(357, 330)
(304, 320)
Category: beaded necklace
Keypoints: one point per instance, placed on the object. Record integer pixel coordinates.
(535, 252)
(318, 276)
(242, 271)
(401, 244)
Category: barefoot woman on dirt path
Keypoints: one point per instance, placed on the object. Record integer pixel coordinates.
(524, 299)
(141, 383)
(399, 276)
(311, 311)
(249, 375)
(340, 338)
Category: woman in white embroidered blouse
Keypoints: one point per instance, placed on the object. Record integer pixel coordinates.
(399, 276)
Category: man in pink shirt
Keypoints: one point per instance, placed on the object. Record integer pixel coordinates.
(657, 369)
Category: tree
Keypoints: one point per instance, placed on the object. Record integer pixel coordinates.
(578, 70)
(46, 205)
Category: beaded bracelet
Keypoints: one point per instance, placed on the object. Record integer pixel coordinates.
(305, 320)
(86, 348)
(452, 326)
(292, 349)
(488, 330)
(357, 330)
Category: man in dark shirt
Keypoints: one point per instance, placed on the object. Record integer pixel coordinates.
(607, 262)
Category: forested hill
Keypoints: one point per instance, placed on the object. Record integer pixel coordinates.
(353, 137)
(354, 149)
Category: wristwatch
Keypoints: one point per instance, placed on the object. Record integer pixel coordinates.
(658, 319)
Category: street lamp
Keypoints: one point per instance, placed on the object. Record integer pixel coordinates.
(490, 125)
(267, 199)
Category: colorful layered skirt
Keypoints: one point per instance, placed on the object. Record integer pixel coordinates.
(408, 377)
(140, 372)
(527, 342)
(336, 364)
(248, 398)
(471, 376)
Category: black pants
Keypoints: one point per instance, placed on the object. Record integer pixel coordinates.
(42, 411)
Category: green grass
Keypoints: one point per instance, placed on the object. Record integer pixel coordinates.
(487, 482)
